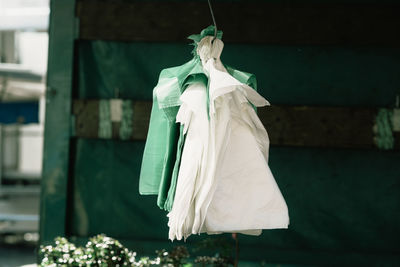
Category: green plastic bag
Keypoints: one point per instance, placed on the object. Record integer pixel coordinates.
(165, 139)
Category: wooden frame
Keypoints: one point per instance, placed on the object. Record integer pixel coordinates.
(287, 125)
(54, 183)
(245, 22)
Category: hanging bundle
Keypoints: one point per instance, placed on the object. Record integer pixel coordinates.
(206, 154)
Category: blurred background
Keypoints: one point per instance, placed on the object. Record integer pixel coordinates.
(328, 67)
(23, 65)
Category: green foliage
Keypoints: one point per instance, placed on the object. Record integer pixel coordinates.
(214, 261)
(221, 244)
(103, 251)
(99, 251)
(177, 257)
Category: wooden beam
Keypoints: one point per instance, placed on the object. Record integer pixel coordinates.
(301, 126)
(319, 126)
(86, 114)
(243, 22)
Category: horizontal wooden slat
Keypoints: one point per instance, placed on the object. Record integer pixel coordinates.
(301, 126)
(319, 126)
(244, 21)
(86, 114)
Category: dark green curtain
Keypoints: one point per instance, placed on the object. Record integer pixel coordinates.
(343, 204)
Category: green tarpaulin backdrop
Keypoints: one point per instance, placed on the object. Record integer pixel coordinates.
(343, 203)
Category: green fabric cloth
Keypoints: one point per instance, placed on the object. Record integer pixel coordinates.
(340, 188)
(105, 125)
(165, 139)
(384, 136)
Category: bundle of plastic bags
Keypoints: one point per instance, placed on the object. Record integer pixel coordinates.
(206, 154)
